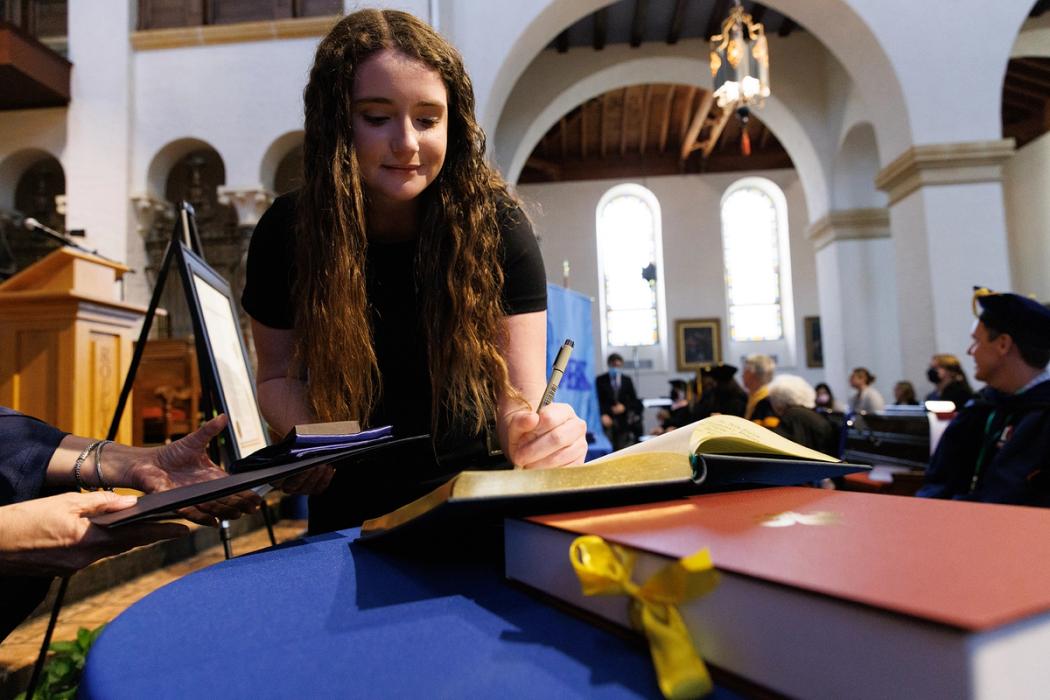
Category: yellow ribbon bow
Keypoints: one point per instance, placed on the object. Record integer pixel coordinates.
(605, 569)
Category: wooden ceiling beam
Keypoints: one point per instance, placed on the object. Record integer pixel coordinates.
(665, 125)
(758, 11)
(603, 124)
(1028, 86)
(786, 27)
(624, 122)
(601, 27)
(687, 110)
(641, 8)
(583, 131)
(563, 132)
(1040, 7)
(1018, 70)
(764, 139)
(1039, 65)
(647, 101)
(674, 32)
(699, 117)
(548, 168)
(716, 132)
(715, 19)
(1029, 96)
(561, 43)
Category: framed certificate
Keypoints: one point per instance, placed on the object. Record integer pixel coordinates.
(222, 354)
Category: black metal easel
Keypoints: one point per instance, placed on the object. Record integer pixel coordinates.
(184, 237)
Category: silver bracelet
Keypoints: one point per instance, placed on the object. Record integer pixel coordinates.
(98, 465)
(80, 463)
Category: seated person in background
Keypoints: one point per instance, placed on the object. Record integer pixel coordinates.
(44, 535)
(726, 396)
(619, 404)
(904, 394)
(825, 399)
(758, 373)
(997, 450)
(867, 399)
(946, 372)
(793, 399)
(681, 411)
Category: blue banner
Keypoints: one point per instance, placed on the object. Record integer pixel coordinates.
(569, 316)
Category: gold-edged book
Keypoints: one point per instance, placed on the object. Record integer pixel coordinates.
(715, 454)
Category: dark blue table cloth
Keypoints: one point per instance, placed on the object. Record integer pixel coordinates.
(327, 617)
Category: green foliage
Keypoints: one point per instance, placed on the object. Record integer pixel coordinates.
(62, 670)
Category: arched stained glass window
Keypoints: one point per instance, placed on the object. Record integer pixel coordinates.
(628, 261)
(754, 242)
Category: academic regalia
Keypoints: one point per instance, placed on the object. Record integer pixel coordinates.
(997, 450)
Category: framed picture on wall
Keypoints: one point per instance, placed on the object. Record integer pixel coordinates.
(814, 345)
(698, 342)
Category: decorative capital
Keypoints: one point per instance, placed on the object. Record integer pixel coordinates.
(944, 164)
(849, 225)
(147, 209)
(250, 203)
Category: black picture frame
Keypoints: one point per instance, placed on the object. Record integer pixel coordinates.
(222, 355)
(698, 342)
(814, 342)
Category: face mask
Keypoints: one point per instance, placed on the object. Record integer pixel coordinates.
(933, 375)
(614, 372)
(823, 399)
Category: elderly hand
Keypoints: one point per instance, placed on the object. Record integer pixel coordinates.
(554, 437)
(185, 462)
(54, 537)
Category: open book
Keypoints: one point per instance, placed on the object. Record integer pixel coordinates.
(717, 453)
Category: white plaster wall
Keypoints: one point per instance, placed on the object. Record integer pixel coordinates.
(98, 123)
(693, 272)
(1026, 183)
(859, 274)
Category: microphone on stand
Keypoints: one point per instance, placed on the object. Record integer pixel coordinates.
(33, 225)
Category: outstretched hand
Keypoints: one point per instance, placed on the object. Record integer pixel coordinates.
(186, 462)
(554, 437)
(54, 536)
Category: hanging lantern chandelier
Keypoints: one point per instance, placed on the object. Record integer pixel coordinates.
(740, 67)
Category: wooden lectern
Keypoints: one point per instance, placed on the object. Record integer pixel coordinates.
(66, 342)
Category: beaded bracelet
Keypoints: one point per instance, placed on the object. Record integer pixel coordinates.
(98, 465)
(79, 463)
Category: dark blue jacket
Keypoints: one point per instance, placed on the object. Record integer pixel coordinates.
(1014, 432)
(26, 447)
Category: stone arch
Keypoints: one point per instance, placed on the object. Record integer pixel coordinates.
(854, 169)
(277, 153)
(834, 22)
(530, 114)
(166, 158)
(14, 166)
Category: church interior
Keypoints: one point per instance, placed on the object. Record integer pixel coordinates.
(896, 158)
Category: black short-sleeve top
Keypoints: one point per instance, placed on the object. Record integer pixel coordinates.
(393, 299)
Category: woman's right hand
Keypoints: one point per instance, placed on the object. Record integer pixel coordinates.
(309, 483)
(54, 536)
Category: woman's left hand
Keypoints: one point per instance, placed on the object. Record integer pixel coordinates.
(554, 437)
(185, 462)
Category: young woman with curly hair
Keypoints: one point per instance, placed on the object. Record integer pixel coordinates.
(402, 284)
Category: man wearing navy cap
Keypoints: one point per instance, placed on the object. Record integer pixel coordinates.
(997, 450)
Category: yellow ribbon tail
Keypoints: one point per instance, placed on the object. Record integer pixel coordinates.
(606, 569)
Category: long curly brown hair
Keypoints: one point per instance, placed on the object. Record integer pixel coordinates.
(458, 274)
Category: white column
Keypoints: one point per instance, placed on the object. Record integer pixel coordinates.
(858, 311)
(97, 155)
(249, 202)
(949, 233)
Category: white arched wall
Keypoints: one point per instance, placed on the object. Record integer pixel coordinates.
(281, 147)
(854, 169)
(552, 87)
(835, 23)
(1026, 180)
